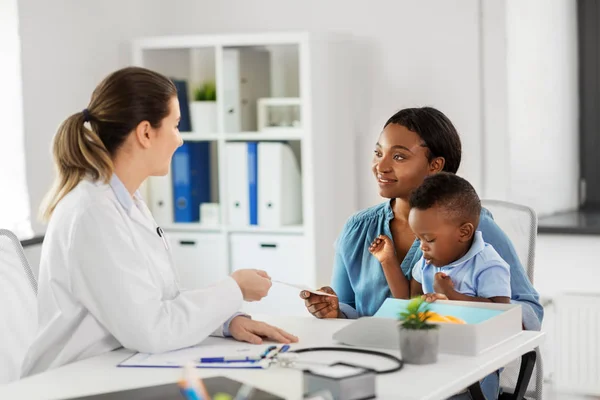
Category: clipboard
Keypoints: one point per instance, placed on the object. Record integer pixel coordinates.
(193, 355)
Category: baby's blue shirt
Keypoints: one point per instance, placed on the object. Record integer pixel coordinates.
(480, 272)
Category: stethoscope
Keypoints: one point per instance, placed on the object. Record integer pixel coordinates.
(290, 359)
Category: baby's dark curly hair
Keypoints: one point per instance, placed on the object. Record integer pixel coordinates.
(450, 192)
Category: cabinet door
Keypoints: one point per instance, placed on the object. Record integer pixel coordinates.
(199, 258)
(283, 258)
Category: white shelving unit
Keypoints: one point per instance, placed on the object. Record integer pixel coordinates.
(314, 73)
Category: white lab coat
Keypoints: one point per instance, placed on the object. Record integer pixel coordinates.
(107, 280)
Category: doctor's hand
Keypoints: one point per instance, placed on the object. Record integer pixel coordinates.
(322, 306)
(253, 283)
(245, 329)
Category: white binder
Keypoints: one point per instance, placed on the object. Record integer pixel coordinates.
(279, 186)
(247, 73)
(160, 198)
(238, 191)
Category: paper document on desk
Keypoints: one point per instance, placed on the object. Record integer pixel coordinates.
(302, 287)
(179, 358)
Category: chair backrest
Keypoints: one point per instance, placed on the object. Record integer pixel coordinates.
(18, 309)
(520, 223)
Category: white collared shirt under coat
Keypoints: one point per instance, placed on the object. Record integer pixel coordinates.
(107, 280)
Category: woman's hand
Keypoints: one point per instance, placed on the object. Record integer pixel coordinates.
(245, 329)
(253, 283)
(322, 306)
(383, 249)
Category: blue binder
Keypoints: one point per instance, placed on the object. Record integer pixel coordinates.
(253, 182)
(185, 124)
(191, 180)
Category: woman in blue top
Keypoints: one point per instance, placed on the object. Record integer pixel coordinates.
(415, 143)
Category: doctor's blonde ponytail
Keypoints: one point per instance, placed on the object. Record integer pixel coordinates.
(121, 101)
(78, 152)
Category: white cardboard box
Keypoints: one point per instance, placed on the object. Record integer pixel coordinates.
(470, 339)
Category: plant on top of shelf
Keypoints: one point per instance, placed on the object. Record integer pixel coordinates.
(203, 108)
(206, 92)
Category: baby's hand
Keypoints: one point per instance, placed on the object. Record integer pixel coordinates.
(442, 283)
(431, 297)
(383, 249)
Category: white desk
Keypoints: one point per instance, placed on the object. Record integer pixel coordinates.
(449, 375)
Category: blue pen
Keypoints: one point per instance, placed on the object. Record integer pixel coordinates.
(284, 348)
(267, 351)
(228, 359)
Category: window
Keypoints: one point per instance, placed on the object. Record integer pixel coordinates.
(14, 198)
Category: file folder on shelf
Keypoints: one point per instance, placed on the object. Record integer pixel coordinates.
(242, 183)
(279, 185)
(185, 124)
(253, 182)
(191, 180)
(238, 191)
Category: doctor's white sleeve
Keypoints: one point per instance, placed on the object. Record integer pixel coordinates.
(112, 280)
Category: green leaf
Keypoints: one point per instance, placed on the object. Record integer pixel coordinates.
(206, 92)
(416, 315)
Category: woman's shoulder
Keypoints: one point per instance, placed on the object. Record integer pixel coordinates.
(86, 198)
(487, 225)
(495, 236)
(364, 220)
(372, 214)
(377, 211)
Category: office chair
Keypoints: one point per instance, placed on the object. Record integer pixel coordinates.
(18, 309)
(520, 225)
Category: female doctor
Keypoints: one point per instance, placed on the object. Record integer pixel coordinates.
(106, 277)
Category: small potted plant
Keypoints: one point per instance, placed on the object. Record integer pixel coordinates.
(419, 339)
(203, 108)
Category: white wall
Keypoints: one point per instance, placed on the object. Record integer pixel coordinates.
(531, 136)
(566, 263)
(563, 264)
(476, 60)
(14, 213)
(543, 103)
(417, 53)
(496, 184)
(68, 46)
